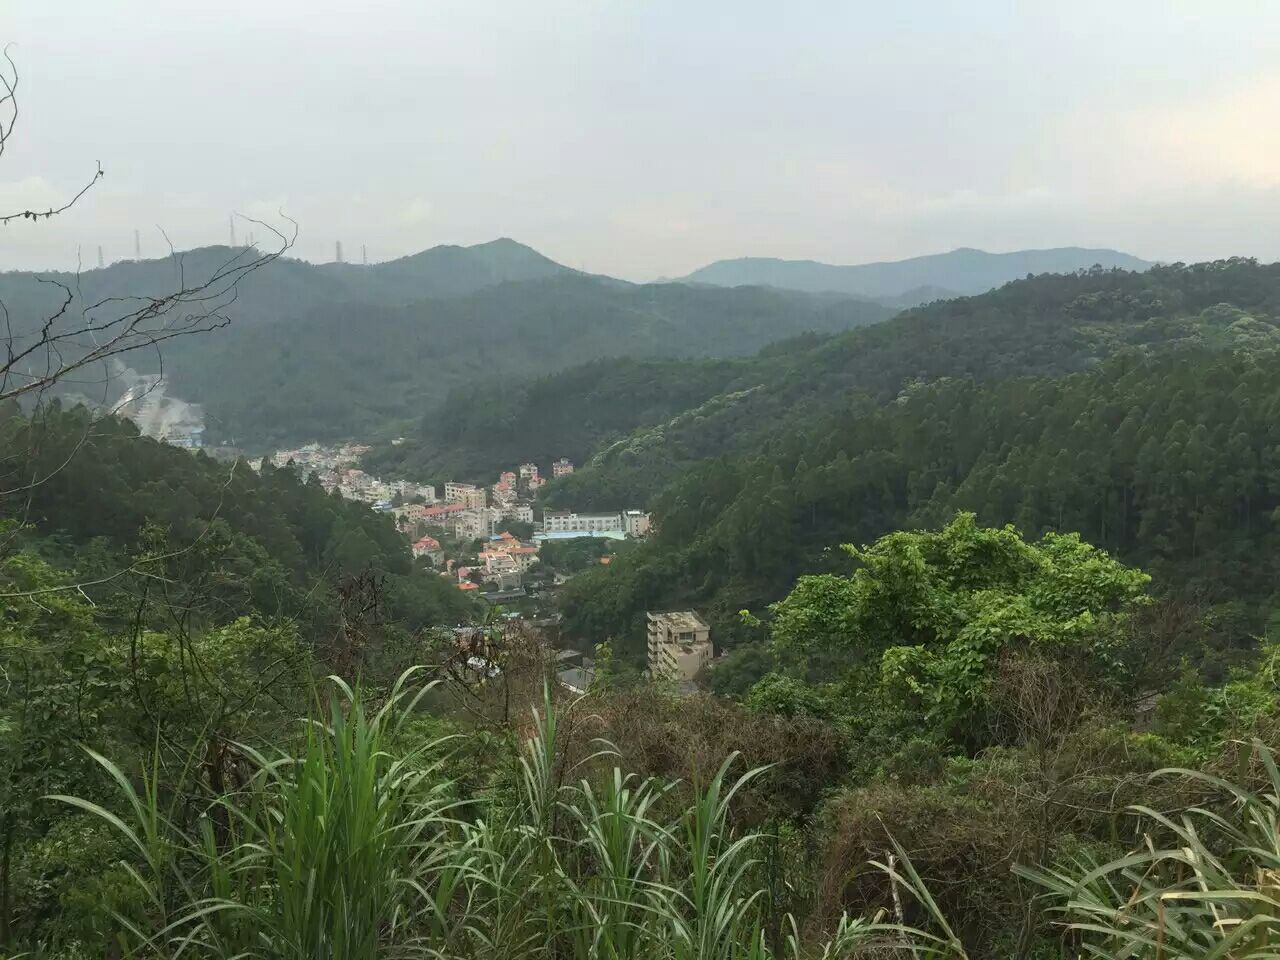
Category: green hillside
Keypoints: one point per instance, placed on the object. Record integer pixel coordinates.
(906, 422)
(1046, 326)
(354, 369)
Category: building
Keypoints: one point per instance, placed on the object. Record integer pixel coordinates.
(679, 645)
(528, 471)
(587, 524)
(443, 513)
(518, 511)
(561, 468)
(468, 494)
(635, 523)
(473, 524)
(506, 552)
(428, 547)
(413, 491)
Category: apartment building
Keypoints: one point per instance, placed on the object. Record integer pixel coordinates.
(679, 645)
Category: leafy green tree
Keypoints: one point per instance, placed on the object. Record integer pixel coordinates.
(930, 615)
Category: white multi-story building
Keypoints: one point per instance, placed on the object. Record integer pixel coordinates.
(561, 468)
(633, 523)
(679, 645)
(517, 511)
(566, 521)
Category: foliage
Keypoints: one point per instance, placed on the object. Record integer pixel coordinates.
(228, 539)
(1167, 463)
(320, 374)
(1202, 882)
(349, 852)
(935, 613)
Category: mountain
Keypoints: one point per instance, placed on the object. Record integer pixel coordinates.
(287, 287)
(354, 369)
(1050, 325)
(961, 272)
(809, 448)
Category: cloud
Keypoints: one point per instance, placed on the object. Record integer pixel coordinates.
(29, 193)
(416, 211)
(1226, 135)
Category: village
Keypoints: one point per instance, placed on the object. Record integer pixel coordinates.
(486, 539)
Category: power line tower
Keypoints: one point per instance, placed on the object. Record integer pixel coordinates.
(337, 251)
(364, 254)
(100, 256)
(231, 221)
(137, 245)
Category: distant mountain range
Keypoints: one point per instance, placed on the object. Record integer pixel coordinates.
(291, 288)
(338, 349)
(321, 351)
(907, 283)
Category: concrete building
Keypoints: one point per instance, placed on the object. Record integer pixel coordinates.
(518, 511)
(679, 645)
(476, 524)
(561, 468)
(566, 521)
(635, 523)
(444, 514)
(428, 547)
(467, 494)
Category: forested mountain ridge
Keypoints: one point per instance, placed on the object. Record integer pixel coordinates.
(320, 351)
(1170, 462)
(960, 272)
(483, 427)
(287, 287)
(1044, 326)
(109, 501)
(864, 434)
(350, 369)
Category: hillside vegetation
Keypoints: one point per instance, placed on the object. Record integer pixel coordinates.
(1046, 326)
(996, 584)
(323, 351)
(352, 369)
(867, 434)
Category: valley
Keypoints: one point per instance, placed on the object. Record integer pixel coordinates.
(495, 481)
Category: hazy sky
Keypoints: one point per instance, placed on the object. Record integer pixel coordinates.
(643, 139)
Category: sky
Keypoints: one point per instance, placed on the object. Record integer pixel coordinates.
(645, 139)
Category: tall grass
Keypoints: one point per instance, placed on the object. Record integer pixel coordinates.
(347, 852)
(1203, 885)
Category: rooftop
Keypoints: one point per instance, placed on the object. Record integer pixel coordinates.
(679, 620)
(578, 534)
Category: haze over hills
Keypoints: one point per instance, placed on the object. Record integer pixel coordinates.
(905, 283)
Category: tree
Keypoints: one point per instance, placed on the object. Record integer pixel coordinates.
(928, 616)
